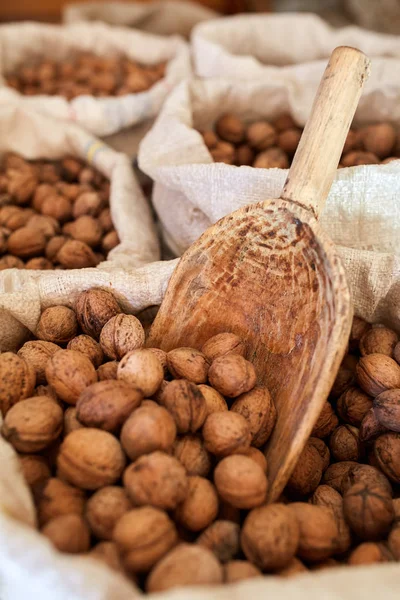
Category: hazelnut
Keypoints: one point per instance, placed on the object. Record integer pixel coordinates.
(244, 156)
(57, 324)
(335, 474)
(226, 433)
(307, 473)
(241, 481)
(387, 409)
(26, 242)
(71, 422)
(323, 451)
(39, 264)
(54, 245)
(200, 506)
(69, 373)
(210, 138)
(215, 402)
(110, 241)
(357, 157)
(186, 404)
(378, 340)
(120, 335)
(188, 363)
(232, 375)
(368, 475)
(387, 454)
(107, 404)
(319, 532)
(108, 371)
(107, 553)
(88, 203)
(76, 255)
(289, 139)
(369, 553)
(68, 533)
(326, 422)
(89, 347)
(379, 139)
(353, 405)
(35, 469)
(37, 354)
(141, 369)
(223, 152)
(344, 443)
(370, 427)
(240, 570)
(86, 229)
(259, 411)
(283, 122)
(104, 509)
(222, 538)
(90, 459)
(143, 536)
(57, 498)
(273, 158)
(105, 220)
(190, 452)
(270, 536)
(377, 373)
(17, 380)
(222, 344)
(156, 479)
(261, 135)
(368, 510)
(148, 429)
(187, 564)
(56, 206)
(230, 128)
(11, 262)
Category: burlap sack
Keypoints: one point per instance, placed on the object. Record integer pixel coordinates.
(248, 46)
(22, 43)
(23, 293)
(162, 18)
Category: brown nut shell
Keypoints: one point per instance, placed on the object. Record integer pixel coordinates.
(319, 531)
(222, 344)
(37, 354)
(226, 433)
(186, 404)
(69, 373)
(17, 380)
(222, 538)
(241, 481)
(387, 454)
(232, 375)
(215, 402)
(148, 429)
(240, 570)
(141, 369)
(120, 335)
(89, 347)
(188, 363)
(378, 340)
(190, 451)
(377, 373)
(259, 410)
(353, 405)
(387, 409)
(56, 497)
(35, 469)
(200, 506)
(94, 308)
(307, 473)
(68, 533)
(57, 324)
(105, 508)
(368, 510)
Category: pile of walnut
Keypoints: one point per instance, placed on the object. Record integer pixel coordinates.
(53, 215)
(153, 462)
(268, 145)
(86, 74)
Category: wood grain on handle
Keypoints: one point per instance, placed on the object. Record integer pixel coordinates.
(318, 153)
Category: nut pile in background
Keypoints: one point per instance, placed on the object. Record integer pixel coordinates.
(86, 74)
(153, 463)
(53, 215)
(266, 145)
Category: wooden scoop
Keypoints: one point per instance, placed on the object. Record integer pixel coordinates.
(270, 274)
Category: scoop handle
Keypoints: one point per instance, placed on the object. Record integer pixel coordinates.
(317, 157)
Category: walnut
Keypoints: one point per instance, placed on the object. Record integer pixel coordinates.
(223, 152)
(93, 309)
(261, 135)
(4, 233)
(13, 217)
(17, 380)
(307, 473)
(369, 553)
(89, 347)
(54, 245)
(326, 496)
(344, 443)
(68, 533)
(387, 454)
(57, 206)
(88, 203)
(215, 402)
(186, 404)
(244, 155)
(71, 167)
(74, 254)
(293, 568)
(57, 324)
(37, 354)
(10, 262)
(190, 451)
(120, 335)
(270, 536)
(222, 538)
(353, 405)
(86, 229)
(335, 474)
(107, 553)
(259, 410)
(283, 122)
(107, 404)
(232, 375)
(344, 379)
(326, 422)
(104, 509)
(368, 510)
(90, 459)
(256, 455)
(39, 264)
(105, 220)
(378, 340)
(394, 543)
(210, 138)
(319, 531)
(226, 433)
(41, 193)
(200, 506)
(241, 481)
(21, 185)
(143, 536)
(141, 369)
(222, 344)
(240, 570)
(186, 564)
(273, 158)
(35, 469)
(387, 409)
(71, 422)
(110, 241)
(56, 498)
(353, 142)
(358, 157)
(108, 371)
(47, 225)
(46, 390)
(323, 451)
(230, 128)
(69, 373)
(370, 427)
(26, 242)
(148, 429)
(188, 363)
(368, 475)
(289, 139)
(379, 139)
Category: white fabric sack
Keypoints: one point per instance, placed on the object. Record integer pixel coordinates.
(23, 293)
(362, 214)
(22, 43)
(162, 18)
(248, 46)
